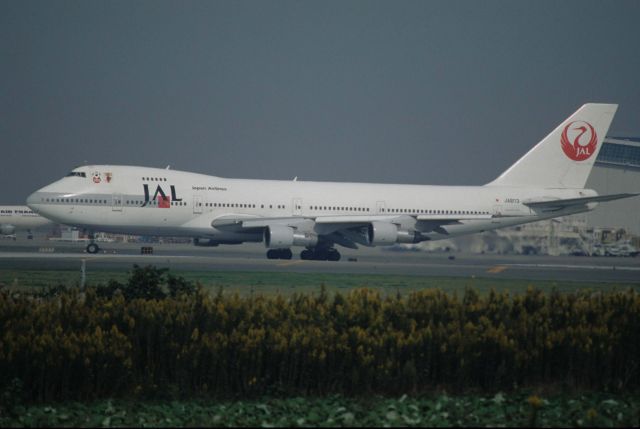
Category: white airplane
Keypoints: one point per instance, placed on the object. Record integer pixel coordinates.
(545, 183)
(20, 218)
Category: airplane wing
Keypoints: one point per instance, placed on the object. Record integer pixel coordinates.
(552, 205)
(258, 222)
(345, 230)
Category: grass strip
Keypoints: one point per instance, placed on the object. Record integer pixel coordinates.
(269, 283)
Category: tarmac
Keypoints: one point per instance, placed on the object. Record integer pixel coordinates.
(55, 255)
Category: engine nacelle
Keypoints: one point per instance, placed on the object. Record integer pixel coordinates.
(386, 234)
(6, 229)
(280, 236)
(409, 237)
(210, 242)
(382, 234)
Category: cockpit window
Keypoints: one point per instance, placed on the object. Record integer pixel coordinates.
(77, 173)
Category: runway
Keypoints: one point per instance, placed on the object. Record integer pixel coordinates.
(41, 254)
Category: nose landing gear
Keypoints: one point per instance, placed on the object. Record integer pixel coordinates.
(93, 248)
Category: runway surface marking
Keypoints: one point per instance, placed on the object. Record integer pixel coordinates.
(497, 269)
(289, 263)
(574, 267)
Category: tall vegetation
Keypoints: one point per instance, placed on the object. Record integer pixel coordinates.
(159, 335)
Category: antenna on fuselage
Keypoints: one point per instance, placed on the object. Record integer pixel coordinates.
(295, 179)
(167, 167)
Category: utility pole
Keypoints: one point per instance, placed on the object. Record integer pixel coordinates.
(83, 273)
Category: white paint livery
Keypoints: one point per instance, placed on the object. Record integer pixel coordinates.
(543, 184)
(20, 218)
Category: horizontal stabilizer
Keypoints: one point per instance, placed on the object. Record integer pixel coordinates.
(554, 205)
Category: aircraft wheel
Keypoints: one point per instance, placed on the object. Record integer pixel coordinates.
(93, 248)
(333, 255)
(320, 255)
(279, 254)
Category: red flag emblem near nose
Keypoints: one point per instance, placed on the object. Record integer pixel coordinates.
(164, 202)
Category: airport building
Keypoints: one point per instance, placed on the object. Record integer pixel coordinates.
(617, 170)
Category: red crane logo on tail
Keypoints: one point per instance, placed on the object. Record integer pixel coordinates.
(579, 140)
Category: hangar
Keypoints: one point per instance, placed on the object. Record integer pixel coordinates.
(617, 170)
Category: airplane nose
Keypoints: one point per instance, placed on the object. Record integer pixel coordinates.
(33, 200)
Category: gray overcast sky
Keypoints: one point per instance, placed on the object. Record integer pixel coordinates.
(423, 92)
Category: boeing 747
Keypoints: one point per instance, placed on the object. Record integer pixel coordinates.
(545, 183)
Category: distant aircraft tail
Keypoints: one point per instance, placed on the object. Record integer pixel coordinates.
(564, 158)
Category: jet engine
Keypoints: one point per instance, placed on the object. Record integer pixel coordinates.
(6, 229)
(210, 242)
(386, 234)
(280, 236)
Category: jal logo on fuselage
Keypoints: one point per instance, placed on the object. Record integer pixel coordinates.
(164, 200)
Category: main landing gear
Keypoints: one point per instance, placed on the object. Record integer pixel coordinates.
(316, 254)
(279, 254)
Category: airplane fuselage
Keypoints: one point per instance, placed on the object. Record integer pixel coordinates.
(546, 182)
(142, 200)
(20, 218)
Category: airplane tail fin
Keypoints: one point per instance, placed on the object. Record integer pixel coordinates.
(564, 158)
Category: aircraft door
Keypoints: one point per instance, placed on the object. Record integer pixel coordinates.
(297, 206)
(498, 210)
(116, 202)
(380, 207)
(197, 204)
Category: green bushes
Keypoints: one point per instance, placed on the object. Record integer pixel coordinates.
(93, 344)
(146, 283)
(515, 409)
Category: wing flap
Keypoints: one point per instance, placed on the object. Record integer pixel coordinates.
(452, 217)
(248, 221)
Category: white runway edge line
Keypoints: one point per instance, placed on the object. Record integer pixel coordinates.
(88, 256)
(574, 267)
